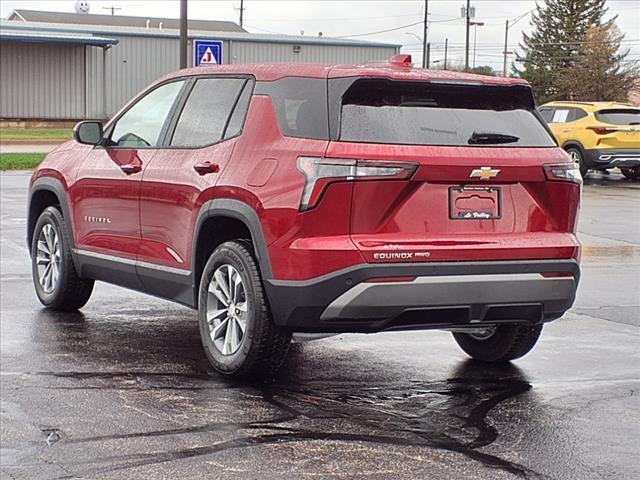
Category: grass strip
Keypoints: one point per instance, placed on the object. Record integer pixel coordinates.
(20, 161)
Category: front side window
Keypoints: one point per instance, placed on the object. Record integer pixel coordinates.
(546, 114)
(207, 111)
(141, 125)
(423, 113)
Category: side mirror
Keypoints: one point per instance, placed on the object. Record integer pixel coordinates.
(88, 133)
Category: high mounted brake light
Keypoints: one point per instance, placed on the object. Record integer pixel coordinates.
(562, 172)
(320, 172)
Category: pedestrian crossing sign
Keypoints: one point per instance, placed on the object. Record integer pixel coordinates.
(207, 52)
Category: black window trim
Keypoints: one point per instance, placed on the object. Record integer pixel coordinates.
(112, 123)
(171, 127)
(170, 122)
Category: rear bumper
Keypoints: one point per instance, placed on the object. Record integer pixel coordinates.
(610, 158)
(443, 295)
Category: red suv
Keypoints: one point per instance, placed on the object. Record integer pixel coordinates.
(279, 199)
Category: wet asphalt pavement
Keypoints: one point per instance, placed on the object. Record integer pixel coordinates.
(123, 389)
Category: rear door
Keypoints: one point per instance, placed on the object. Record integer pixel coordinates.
(182, 175)
(478, 190)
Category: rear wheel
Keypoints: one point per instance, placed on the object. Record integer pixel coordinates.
(57, 283)
(631, 172)
(236, 327)
(576, 156)
(500, 343)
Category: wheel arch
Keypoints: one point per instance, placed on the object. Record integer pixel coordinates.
(221, 220)
(46, 192)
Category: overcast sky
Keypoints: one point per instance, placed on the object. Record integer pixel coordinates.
(358, 19)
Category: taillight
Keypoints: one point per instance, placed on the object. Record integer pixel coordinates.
(320, 172)
(603, 130)
(563, 172)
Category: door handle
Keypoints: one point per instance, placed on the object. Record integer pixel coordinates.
(566, 130)
(206, 167)
(130, 168)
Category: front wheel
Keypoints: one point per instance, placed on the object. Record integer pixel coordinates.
(56, 281)
(500, 343)
(576, 155)
(236, 327)
(631, 172)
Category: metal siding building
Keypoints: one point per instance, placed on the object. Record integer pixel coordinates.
(57, 71)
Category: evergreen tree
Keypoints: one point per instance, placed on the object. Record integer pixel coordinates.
(553, 47)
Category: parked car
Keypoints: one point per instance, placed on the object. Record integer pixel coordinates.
(279, 199)
(597, 135)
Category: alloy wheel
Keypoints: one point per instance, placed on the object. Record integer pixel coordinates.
(227, 309)
(48, 258)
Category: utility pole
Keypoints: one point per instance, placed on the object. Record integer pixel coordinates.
(183, 33)
(446, 47)
(466, 48)
(428, 54)
(112, 8)
(506, 39)
(424, 38)
(241, 11)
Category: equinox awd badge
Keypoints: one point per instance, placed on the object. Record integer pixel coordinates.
(484, 173)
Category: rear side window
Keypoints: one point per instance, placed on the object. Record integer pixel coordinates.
(207, 111)
(300, 104)
(579, 114)
(422, 113)
(626, 116)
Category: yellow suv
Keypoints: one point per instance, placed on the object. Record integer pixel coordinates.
(598, 135)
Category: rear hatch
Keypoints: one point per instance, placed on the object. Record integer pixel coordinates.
(451, 172)
(618, 128)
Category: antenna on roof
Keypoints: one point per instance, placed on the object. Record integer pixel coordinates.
(112, 8)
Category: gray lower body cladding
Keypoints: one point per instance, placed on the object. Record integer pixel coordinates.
(611, 158)
(443, 295)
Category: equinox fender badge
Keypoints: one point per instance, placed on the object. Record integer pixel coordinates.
(91, 219)
(484, 173)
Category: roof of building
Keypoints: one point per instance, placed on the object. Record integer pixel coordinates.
(120, 20)
(57, 38)
(193, 34)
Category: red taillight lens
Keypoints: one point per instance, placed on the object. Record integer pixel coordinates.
(603, 130)
(562, 172)
(320, 172)
(556, 274)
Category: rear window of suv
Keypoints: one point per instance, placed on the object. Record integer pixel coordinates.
(626, 116)
(423, 113)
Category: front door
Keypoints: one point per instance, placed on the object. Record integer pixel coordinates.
(106, 193)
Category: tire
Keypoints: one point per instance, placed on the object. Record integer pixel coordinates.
(62, 289)
(239, 338)
(576, 155)
(505, 343)
(632, 173)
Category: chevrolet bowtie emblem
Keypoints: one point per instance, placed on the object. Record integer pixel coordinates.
(484, 173)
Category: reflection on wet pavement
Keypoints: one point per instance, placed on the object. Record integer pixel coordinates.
(123, 389)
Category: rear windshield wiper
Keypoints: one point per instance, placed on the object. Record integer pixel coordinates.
(483, 138)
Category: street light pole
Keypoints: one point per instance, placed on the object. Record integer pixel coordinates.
(183, 33)
(475, 37)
